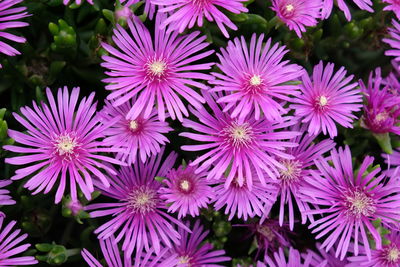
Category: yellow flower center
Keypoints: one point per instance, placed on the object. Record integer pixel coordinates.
(65, 145)
(393, 255)
(359, 204)
(323, 101)
(157, 68)
(185, 185)
(289, 7)
(142, 199)
(381, 116)
(255, 80)
(184, 259)
(133, 125)
(292, 171)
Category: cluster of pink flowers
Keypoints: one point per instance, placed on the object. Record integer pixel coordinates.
(262, 127)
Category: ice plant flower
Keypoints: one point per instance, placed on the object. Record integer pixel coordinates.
(155, 70)
(5, 198)
(349, 203)
(293, 259)
(393, 5)
(61, 144)
(141, 136)
(185, 13)
(149, 7)
(298, 14)
(362, 4)
(9, 19)
(253, 78)
(112, 256)
(387, 256)
(244, 202)
(382, 108)
(10, 246)
(186, 191)
(327, 98)
(238, 145)
(137, 213)
(393, 41)
(294, 173)
(193, 251)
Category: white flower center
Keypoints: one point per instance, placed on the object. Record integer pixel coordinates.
(323, 101)
(292, 171)
(65, 145)
(381, 116)
(157, 68)
(133, 125)
(289, 7)
(142, 199)
(359, 204)
(185, 185)
(393, 255)
(255, 80)
(184, 259)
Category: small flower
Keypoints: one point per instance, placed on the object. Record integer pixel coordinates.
(387, 256)
(137, 211)
(326, 99)
(155, 70)
(61, 144)
(362, 4)
(185, 13)
(296, 170)
(393, 5)
(239, 145)
(9, 246)
(382, 110)
(149, 8)
(293, 259)
(140, 136)
(193, 251)
(254, 78)
(9, 16)
(393, 41)
(112, 256)
(186, 191)
(349, 203)
(244, 202)
(297, 14)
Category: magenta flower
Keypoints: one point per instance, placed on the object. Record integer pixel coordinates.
(349, 203)
(327, 99)
(393, 5)
(192, 251)
(298, 14)
(185, 13)
(243, 202)
(61, 144)
(294, 259)
(253, 78)
(382, 110)
(137, 213)
(9, 16)
(78, 2)
(149, 8)
(155, 71)
(136, 137)
(387, 256)
(295, 172)
(112, 257)
(393, 41)
(187, 191)
(9, 246)
(5, 198)
(362, 4)
(238, 145)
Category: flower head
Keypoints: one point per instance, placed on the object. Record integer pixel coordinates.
(155, 70)
(387, 256)
(9, 16)
(185, 13)
(382, 110)
(293, 176)
(9, 246)
(237, 146)
(187, 191)
(244, 202)
(297, 14)
(193, 251)
(140, 136)
(327, 99)
(362, 4)
(349, 203)
(61, 144)
(138, 212)
(253, 78)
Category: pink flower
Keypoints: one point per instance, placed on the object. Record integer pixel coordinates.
(155, 70)
(185, 13)
(253, 79)
(297, 14)
(62, 144)
(327, 98)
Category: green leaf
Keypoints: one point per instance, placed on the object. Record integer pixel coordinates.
(384, 142)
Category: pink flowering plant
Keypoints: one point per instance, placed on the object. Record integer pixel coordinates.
(183, 133)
